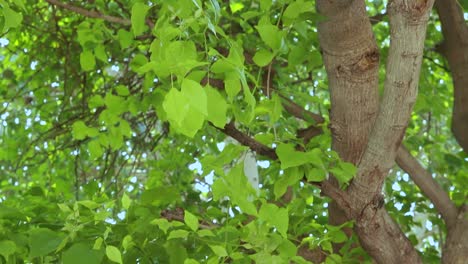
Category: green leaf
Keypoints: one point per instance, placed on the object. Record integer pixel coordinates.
(178, 234)
(138, 18)
(186, 110)
(160, 195)
(344, 172)
(271, 35)
(87, 60)
(196, 95)
(122, 90)
(98, 243)
(95, 149)
(95, 101)
(205, 233)
(114, 254)
(298, 7)
(263, 57)
(287, 249)
(316, 175)
(191, 220)
(43, 241)
(127, 242)
(79, 130)
(162, 223)
(278, 217)
(125, 38)
(126, 201)
(82, 253)
(290, 157)
(12, 18)
(191, 261)
(217, 107)
(290, 176)
(100, 52)
(115, 104)
(219, 251)
(233, 87)
(7, 248)
(236, 186)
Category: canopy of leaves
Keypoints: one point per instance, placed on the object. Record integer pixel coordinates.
(111, 125)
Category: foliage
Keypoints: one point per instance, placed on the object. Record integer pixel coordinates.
(112, 144)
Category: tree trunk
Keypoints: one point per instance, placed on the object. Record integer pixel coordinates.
(351, 60)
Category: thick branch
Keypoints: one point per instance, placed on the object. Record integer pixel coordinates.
(455, 49)
(428, 185)
(91, 14)
(408, 23)
(231, 130)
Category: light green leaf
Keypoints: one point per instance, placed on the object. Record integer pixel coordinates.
(122, 90)
(278, 217)
(115, 104)
(263, 57)
(87, 60)
(196, 95)
(233, 87)
(81, 131)
(126, 201)
(191, 220)
(217, 107)
(114, 254)
(316, 175)
(127, 242)
(190, 261)
(287, 249)
(176, 106)
(271, 35)
(7, 248)
(290, 176)
(125, 38)
(205, 233)
(290, 157)
(88, 204)
(42, 241)
(138, 18)
(98, 243)
(162, 223)
(219, 251)
(82, 253)
(186, 110)
(95, 101)
(100, 52)
(12, 18)
(95, 149)
(298, 7)
(178, 234)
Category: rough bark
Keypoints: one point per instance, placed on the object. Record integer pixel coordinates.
(456, 247)
(455, 49)
(351, 59)
(408, 21)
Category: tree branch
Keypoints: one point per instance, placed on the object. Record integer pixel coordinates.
(428, 185)
(231, 130)
(91, 14)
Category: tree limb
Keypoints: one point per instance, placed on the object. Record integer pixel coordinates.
(231, 130)
(428, 185)
(91, 14)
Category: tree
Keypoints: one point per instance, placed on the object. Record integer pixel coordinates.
(238, 131)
